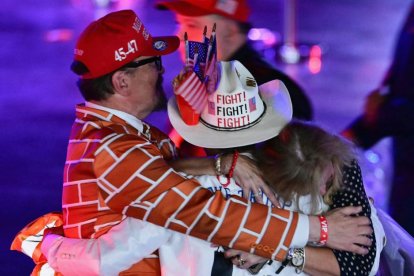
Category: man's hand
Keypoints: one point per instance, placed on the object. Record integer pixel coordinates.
(250, 179)
(243, 259)
(348, 233)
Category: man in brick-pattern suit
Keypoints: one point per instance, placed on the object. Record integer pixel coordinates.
(116, 165)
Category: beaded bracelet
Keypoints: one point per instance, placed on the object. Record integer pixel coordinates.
(231, 171)
(233, 164)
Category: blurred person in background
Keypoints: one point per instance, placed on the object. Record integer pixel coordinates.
(232, 20)
(389, 112)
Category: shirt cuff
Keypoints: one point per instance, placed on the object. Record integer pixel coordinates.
(49, 246)
(301, 236)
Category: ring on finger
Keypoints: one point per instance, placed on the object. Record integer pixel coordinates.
(241, 262)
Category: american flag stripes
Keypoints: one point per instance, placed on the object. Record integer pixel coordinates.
(193, 91)
(211, 78)
(201, 57)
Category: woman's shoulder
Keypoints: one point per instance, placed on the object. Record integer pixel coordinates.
(352, 177)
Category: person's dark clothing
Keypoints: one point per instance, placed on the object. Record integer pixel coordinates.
(353, 194)
(264, 72)
(395, 118)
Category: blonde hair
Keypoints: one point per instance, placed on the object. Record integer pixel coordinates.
(293, 162)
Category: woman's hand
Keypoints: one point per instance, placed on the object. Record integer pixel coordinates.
(249, 178)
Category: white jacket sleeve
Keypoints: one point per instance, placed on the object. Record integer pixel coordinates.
(380, 238)
(301, 236)
(125, 244)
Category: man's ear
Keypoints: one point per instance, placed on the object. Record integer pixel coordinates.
(120, 82)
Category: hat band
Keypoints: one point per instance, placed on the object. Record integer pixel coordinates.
(232, 127)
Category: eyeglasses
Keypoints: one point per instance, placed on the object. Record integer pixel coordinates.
(136, 64)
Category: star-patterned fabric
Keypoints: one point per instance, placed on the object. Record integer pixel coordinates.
(354, 194)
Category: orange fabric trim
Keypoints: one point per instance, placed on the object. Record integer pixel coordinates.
(146, 267)
(33, 228)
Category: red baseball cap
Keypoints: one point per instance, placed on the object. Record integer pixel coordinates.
(235, 9)
(117, 39)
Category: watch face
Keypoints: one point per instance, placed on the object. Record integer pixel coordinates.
(297, 260)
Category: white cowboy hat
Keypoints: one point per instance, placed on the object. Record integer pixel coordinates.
(236, 113)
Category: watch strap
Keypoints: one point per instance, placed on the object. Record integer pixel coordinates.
(286, 262)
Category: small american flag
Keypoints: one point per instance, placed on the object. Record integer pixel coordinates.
(199, 63)
(193, 91)
(211, 78)
(211, 108)
(203, 74)
(252, 104)
(211, 75)
(202, 50)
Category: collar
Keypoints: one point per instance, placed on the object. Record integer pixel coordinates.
(130, 119)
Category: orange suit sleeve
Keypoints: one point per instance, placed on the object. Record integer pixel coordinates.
(134, 180)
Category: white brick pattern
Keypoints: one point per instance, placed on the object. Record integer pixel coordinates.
(113, 171)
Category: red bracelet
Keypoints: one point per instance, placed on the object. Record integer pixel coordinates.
(233, 164)
(324, 230)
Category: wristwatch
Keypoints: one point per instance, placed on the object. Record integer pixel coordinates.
(297, 259)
